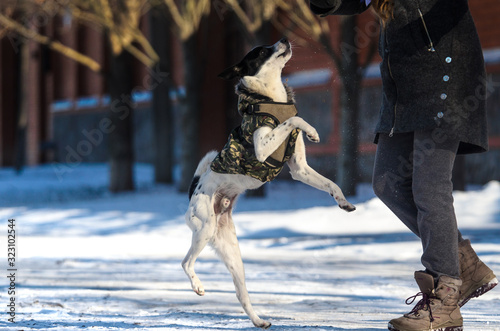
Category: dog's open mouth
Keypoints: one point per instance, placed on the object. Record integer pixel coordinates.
(285, 53)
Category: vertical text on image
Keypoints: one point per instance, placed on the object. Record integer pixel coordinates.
(11, 269)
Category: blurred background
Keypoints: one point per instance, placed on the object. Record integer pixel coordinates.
(122, 82)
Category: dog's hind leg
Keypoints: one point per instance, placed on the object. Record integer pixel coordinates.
(202, 221)
(226, 245)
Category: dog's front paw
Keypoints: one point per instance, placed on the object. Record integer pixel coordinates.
(313, 136)
(343, 203)
(347, 206)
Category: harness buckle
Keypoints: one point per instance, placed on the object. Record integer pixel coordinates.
(250, 109)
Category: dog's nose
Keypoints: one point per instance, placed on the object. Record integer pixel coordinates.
(284, 40)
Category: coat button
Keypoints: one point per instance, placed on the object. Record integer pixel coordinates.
(440, 114)
(446, 78)
(443, 96)
(448, 59)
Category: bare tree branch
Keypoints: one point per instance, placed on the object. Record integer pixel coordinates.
(53, 44)
(120, 18)
(253, 14)
(288, 31)
(306, 21)
(188, 15)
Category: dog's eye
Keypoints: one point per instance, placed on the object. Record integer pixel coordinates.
(263, 51)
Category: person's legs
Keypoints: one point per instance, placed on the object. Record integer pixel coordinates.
(427, 209)
(433, 161)
(412, 176)
(392, 177)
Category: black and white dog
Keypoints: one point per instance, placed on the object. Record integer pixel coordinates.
(215, 188)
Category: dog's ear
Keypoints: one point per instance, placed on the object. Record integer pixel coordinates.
(231, 72)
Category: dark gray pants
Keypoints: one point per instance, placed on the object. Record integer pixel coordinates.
(412, 176)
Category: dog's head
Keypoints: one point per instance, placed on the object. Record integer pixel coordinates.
(261, 61)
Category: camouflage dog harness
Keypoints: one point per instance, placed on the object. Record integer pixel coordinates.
(238, 155)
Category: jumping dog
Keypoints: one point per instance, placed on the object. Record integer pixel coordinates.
(270, 136)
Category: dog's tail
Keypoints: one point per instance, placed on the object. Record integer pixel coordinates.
(205, 163)
(201, 169)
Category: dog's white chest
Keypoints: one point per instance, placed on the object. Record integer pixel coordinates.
(278, 92)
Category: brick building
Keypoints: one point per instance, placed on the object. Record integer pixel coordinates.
(65, 99)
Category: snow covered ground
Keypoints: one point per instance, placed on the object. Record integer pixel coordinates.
(87, 259)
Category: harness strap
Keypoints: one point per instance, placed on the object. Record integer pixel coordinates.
(279, 112)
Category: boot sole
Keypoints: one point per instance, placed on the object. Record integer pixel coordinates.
(448, 328)
(480, 291)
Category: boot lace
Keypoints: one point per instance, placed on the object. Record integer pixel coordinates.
(423, 304)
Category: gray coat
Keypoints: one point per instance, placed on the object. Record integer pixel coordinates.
(432, 69)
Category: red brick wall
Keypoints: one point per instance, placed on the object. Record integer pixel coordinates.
(486, 14)
(91, 44)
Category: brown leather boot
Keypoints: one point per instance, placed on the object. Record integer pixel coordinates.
(477, 278)
(438, 310)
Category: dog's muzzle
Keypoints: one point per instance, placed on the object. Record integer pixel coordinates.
(287, 51)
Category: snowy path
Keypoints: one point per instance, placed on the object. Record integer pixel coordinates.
(113, 262)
